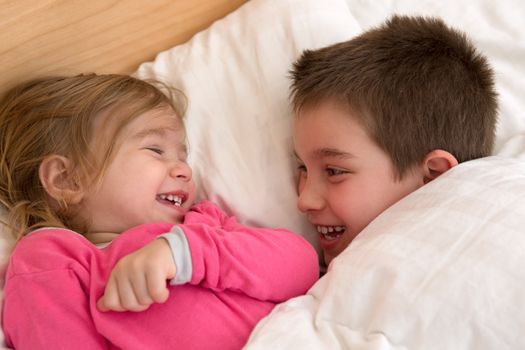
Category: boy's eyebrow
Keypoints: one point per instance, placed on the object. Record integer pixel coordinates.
(329, 153)
(332, 153)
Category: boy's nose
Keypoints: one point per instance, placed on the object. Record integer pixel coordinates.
(309, 198)
(181, 170)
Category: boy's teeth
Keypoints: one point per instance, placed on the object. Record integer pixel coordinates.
(330, 232)
(330, 238)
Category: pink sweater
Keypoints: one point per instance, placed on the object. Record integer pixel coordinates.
(56, 276)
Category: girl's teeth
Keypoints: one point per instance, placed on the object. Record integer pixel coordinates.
(176, 200)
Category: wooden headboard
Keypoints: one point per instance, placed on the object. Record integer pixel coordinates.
(42, 37)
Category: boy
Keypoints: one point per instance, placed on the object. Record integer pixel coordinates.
(378, 116)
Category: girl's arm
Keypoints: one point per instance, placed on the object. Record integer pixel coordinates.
(213, 250)
(266, 264)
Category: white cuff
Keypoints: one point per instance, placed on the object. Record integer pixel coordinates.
(180, 250)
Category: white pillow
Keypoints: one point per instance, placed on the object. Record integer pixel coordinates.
(441, 269)
(235, 75)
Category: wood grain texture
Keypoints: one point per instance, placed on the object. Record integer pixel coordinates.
(42, 37)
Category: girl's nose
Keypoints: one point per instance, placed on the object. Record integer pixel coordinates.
(181, 170)
(310, 198)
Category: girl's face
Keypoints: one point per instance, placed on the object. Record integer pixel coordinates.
(148, 179)
(345, 180)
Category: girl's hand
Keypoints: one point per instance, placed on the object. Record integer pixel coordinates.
(139, 279)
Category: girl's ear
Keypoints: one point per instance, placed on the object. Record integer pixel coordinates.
(436, 163)
(56, 176)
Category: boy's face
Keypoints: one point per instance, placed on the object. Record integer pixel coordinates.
(147, 180)
(345, 179)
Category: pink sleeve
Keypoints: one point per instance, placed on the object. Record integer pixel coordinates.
(266, 264)
(49, 310)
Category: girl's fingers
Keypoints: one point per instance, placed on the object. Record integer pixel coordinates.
(128, 299)
(110, 300)
(140, 288)
(156, 284)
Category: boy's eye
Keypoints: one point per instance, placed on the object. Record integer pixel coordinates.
(335, 171)
(301, 168)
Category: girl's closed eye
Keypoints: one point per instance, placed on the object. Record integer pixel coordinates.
(155, 149)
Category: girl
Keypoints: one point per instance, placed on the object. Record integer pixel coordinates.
(93, 170)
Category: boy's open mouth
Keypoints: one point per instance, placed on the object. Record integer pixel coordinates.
(174, 199)
(330, 232)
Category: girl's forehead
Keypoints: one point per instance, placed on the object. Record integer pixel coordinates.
(164, 125)
(158, 118)
(116, 127)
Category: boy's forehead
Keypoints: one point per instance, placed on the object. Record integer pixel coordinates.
(329, 131)
(327, 116)
(333, 103)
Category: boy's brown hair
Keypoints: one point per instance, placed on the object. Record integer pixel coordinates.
(415, 85)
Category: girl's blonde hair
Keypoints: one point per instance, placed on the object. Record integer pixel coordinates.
(54, 116)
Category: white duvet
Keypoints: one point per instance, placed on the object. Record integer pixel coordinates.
(442, 269)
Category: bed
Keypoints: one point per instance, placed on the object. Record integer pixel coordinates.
(441, 269)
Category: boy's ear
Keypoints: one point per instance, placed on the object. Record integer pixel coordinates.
(56, 176)
(436, 163)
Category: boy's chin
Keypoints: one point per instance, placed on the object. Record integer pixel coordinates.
(327, 258)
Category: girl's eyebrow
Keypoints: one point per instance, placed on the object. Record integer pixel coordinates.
(152, 131)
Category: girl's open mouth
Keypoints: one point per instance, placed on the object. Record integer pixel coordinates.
(173, 199)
